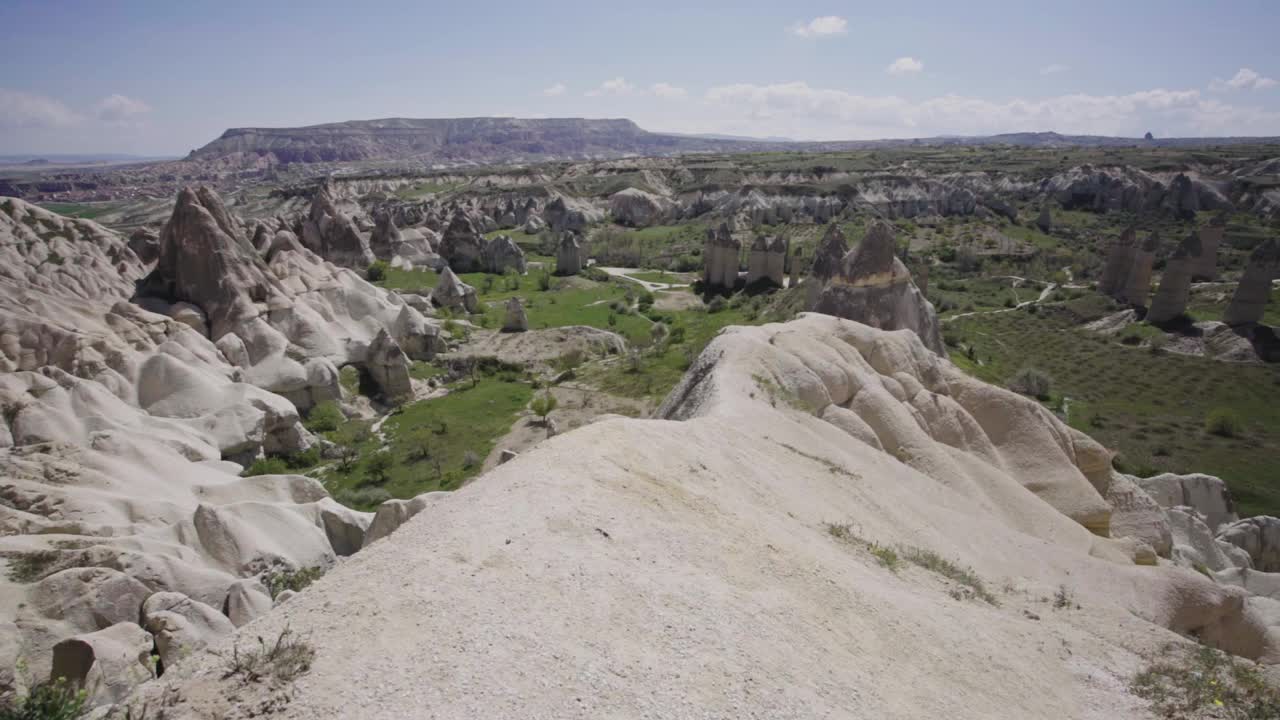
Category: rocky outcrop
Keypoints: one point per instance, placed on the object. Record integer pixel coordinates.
(1170, 302)
(145, 244)
(1259, 537)
(1205, 269)
(1205, 494)
(767, 260)
(720, 258)
(450, 292)
(873, 287)
(502, 255)
(1249, 303)
(108, 664)
(181, 626)
(636, 208)
(388, 366)
(1045, 220)
(569, 254)
(462, 246)
(515, 320)
(1115, 272)
(1135, 514)
(385, 237)
(1137, 284)
(246, 599)
(331, 233)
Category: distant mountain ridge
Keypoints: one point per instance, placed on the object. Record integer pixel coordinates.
(504, 139)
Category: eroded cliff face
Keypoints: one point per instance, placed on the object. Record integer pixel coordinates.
(715, 557)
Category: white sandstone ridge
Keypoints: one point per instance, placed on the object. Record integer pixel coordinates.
(705, 563)
(118, 419)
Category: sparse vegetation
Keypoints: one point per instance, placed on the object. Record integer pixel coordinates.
(277, 579)
(1223, 422)
(1033, 382)
(281, 661)
(29, 567)
(377, 271)
(543, 404)
(1194, 682)
(56, 700)
(970, 584)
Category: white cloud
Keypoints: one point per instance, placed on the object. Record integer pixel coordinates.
(25, 110)
(1244, 79)
(824, 26)
(118, 109)
(555, 90)
(664, 90)
(798, 110)
(1054, 69)
(616, 86)
(904, 66)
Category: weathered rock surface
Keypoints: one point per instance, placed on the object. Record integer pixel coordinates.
(1137, 282)
(389, 368)
(462, 246)
(984, 477)
(516, 320)
(1206, 266)
(1115, 272)
(332, 234)
(1170, 301)
(721, 255)
(1258, 536)
(107, 664)
(767, 260)
(873, 287)
(451, 292)
(181, 626)
(1206, 494)
(1045, 220)
(569, 254)
(502, 255)
(246, 599)
(1249, 303)
(637, 208)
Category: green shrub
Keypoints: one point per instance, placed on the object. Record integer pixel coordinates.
(56, 700)
(1223, 422)
(717, 304)
(543, 404)
(1033, 382)
(278, 579)
(267, 466)
(376, 271)
(325, 417)
(364, 497)
(378, 469)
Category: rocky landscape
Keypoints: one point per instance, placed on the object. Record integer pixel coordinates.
(644, 436)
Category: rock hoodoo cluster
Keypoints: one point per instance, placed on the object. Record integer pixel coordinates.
(721, 258)
(329, 232)
(767, 260)
(465, 249)
(873, 287)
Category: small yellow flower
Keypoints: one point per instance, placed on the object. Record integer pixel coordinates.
(1217, 702)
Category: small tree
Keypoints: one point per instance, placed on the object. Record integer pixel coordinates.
(543, 404)
(379, 467)
(348, 439)
(376, 271)
(325, 417)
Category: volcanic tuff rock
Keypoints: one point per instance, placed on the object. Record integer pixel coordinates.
(1211, 235)
(516, 320)
(389, 368)
(1170, 301)
(637, 208)
(873, 287)
(767, 259)
(1249, 303)
(1136, 286)
(569, 260)
(462, 246)
(721, 257)
(502, 255)
(451, 292)
(837, 430)
(330, 233)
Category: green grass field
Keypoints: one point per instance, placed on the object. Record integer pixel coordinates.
(433, 444)
(1151, 407)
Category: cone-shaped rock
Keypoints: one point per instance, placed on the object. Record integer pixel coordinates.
(1137, 286)
(1119, 258)
(1250, 300)
(388, 366)
(516, 319)
(385, 238)
(452, 293)
(1211, 235)
(568, 255)
(874, 288)
(329, 233)
(767, 259)
(206, 262)
(1170, 301)
(462, 246)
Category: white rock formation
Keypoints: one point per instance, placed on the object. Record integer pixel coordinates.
(450, 292)
(721, 256)
(569, 254)
(701, 559)
(516, 320)
(637, 208)
(873, 287)
(767, 259)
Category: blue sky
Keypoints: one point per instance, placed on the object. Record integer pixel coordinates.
(166, 77)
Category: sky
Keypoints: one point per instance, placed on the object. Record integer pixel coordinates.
(162, 78)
